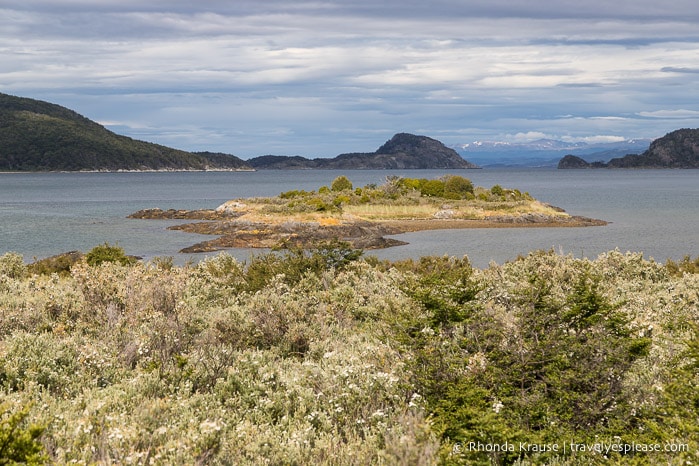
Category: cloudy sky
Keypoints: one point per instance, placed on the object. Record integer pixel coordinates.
(322, 77)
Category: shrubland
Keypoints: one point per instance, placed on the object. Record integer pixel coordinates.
(399, 198)
(329, 357)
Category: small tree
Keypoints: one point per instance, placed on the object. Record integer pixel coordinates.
(341, 183)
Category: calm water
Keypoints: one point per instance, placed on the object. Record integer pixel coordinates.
(652, 211)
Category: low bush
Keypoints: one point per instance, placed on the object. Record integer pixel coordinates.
(12, 265)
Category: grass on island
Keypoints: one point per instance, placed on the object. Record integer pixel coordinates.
(450, 197)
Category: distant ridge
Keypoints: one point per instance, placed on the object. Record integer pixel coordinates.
(402, 151)
(41, 136)
(678, 149)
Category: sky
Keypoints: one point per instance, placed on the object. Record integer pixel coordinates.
(323, 77)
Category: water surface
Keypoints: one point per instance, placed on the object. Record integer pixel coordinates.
(651, 211)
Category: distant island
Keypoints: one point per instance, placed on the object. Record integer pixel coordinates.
(41, 136)
(678, 149)
(402, 151)
(363, 217)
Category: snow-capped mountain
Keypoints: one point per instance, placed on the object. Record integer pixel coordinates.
(544, 152)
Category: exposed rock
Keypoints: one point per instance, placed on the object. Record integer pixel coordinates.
(178, 214)
(241, 233)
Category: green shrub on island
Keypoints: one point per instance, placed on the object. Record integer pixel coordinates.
(323, 356)
(396, 191)
(341, 183)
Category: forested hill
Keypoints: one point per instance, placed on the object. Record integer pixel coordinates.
(678, 149)
(41, 136)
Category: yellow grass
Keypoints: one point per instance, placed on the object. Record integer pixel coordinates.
(387, 211)
(475, 209)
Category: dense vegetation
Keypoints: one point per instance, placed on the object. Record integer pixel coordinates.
(36, 135)
(325, 357)
(417, 196)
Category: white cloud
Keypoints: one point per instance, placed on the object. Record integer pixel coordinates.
(679, 113)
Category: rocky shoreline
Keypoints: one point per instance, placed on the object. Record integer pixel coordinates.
(235, 232)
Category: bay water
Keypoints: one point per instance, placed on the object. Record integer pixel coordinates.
(655, 212)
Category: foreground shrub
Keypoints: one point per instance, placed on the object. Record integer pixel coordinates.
(305, 357)
(107, 253)
(19, 442)
(12, 265)
(686, 265)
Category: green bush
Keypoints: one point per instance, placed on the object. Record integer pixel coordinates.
(107, 253)
(457, 187)
(548, 361)
(432, 188)
(341, 183)
(19, 443)
(293, 194)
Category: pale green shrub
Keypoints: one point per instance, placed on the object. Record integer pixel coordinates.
(311, 358)
(12, 265)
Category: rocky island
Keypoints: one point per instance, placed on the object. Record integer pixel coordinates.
(363, 217)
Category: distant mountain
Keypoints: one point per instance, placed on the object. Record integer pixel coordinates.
(403, 150)
(543, 152)
(41, 136)
(678, 149)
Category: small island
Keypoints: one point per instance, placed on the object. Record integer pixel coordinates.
(364, 216)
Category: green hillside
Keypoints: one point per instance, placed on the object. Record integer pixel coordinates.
(40, 136)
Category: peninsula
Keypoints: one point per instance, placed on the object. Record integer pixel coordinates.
(363, 217)
(41, 136)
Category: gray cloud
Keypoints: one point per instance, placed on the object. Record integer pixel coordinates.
(323, 77)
